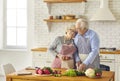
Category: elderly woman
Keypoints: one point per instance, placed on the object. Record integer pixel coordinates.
(87, 43)
(58, 47)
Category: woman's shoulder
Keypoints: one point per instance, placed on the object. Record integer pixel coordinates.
(59, 37)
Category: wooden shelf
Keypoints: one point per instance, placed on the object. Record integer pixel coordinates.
(40, 49)
(60, 20)
(64, 1)
(49, 21)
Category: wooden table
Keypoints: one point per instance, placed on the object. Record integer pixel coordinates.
(106, 76)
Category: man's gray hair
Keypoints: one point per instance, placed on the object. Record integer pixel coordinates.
(83, 23)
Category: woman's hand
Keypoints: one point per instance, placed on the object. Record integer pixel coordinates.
(62, 57)
(66, 57)
(59, 56)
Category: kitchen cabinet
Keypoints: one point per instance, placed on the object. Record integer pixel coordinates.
(112, 60)
(117, 67)
(109, 60)
(41, 59)
(63, 1)
(117, 71)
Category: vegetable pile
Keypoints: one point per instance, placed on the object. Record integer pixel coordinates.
(45, 70)
(91, 73)
(73, 73)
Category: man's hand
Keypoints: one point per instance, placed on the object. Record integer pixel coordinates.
(82, 67)
(78, 64)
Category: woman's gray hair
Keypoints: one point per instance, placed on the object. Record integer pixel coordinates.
(83, 22)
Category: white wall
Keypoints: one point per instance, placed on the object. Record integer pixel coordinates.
(108, 31)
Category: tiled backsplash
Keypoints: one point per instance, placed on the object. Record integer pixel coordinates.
(108, 31)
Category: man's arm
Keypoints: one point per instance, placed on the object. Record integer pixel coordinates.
(94, 42)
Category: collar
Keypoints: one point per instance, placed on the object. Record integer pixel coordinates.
(86, 33)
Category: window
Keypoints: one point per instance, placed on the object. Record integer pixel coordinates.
(16, 24)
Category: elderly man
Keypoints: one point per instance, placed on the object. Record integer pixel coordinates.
(87, 42)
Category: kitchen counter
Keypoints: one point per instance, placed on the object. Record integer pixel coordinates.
(41, 49)
(101, 52)
(110, 52)
(106, 76)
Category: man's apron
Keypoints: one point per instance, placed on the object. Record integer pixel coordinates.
(84, 48)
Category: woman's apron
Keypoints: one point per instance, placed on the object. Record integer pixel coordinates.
(69, 64)
(84, 48)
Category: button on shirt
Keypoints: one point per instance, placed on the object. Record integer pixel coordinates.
(87, 44)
